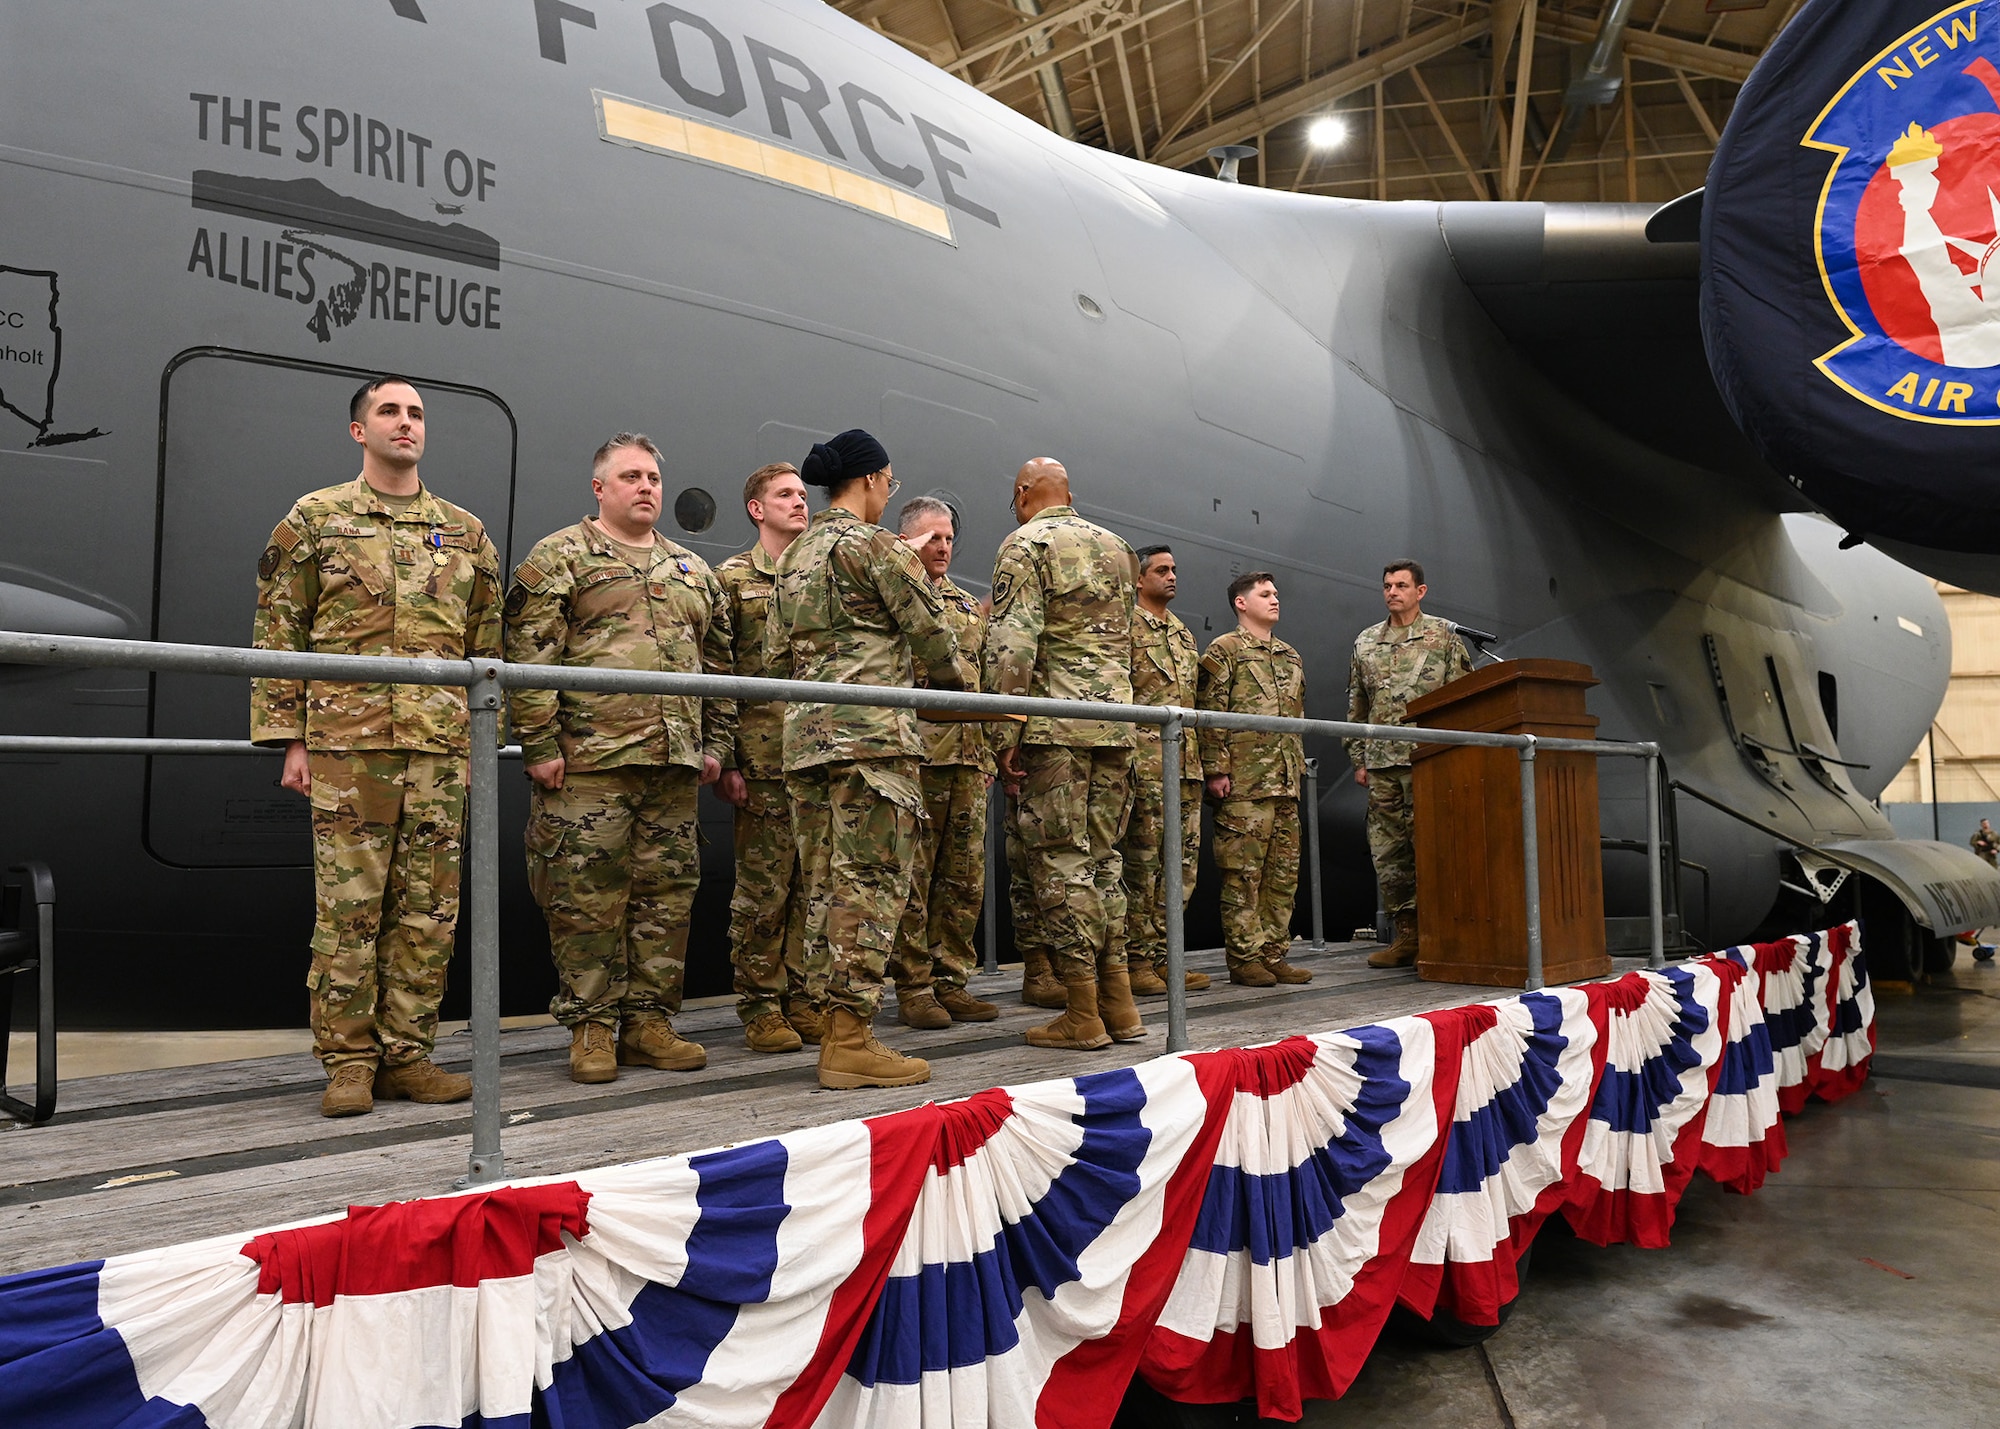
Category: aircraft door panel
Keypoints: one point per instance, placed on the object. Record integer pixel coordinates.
(242, 438)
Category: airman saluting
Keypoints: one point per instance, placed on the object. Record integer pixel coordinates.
(934, 954)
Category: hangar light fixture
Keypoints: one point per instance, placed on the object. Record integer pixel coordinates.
(1329, 131)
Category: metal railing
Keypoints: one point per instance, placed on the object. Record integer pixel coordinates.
(485, 680)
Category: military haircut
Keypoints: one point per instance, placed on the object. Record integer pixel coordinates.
(919, 507)
(1416, 571)
(1146, 553)
(359, 402)
(624, 439)
(763, 476)
(1248, 582)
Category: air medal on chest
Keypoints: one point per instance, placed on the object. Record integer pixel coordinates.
(436, 542)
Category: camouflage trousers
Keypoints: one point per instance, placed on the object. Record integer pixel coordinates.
(1257, 854)
(1029, 934)
(1391, 809)
(767, 912)
(1145, 873)
(612, 861)
(948, 891)
(1075, 804)
(855, 822)
(387, 829)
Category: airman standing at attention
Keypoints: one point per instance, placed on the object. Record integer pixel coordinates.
(1255, 776)
(611, 839)
(378, 566)
(1407, 655)
(1165, 664)
(853, 605)
(934, 954)
(779, 1002)
(1062, 629)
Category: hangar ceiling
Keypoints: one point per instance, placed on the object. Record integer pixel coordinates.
(1434, 99)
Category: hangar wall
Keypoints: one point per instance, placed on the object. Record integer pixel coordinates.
(1961, 760)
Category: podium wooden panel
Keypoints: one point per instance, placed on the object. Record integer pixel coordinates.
(1471, 879)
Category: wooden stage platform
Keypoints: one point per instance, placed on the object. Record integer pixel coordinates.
(142, 1159)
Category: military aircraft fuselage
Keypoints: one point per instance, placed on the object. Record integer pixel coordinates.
(741, 227)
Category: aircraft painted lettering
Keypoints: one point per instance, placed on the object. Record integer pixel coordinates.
(379, 291)
(347, 139)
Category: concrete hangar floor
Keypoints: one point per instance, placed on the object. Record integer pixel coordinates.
(1857, 1287)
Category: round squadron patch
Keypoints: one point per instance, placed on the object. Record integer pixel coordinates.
(267, 564)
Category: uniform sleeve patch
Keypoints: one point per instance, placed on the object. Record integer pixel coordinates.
(285, 536)
(531, 575)
(267, 565)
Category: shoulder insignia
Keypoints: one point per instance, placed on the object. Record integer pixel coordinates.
(530, 575)
(285, 535)
(268, 565)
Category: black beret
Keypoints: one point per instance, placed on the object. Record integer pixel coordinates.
(842, 458)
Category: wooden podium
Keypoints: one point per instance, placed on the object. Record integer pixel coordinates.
(1471, 883)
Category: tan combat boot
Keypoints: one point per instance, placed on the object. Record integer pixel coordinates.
(1194, 981)
(1040, 987)
(1284, 972)
(1252, 975)
(769, 1032)
(1146, 979)
(652, 1042)
(593, 1053)
(964, 1007)
(1402, 952)
(808, 1020)
(919, 1009)
(850, 1057)
(421, 1081)
(350, 1093)
(1115, 1007)
(1079, 1029)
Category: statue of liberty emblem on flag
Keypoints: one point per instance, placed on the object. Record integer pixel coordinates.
(1908, 232)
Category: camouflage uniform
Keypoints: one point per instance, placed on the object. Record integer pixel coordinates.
(767, 911)
(1986, 845)
(1164, 665)
(1392, 666)
(1257, 826)
(852, 605)
(1063, 595)
(1030, 934)
(934, 940)
(343, 574)
(612, 853)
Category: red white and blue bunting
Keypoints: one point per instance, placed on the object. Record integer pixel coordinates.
(1233, 1224)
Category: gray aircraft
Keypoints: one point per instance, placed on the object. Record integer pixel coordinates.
(742, 225)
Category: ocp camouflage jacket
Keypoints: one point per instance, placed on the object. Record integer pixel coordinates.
(1392, 666)
(345, 576)
(853, 605)
(748, 581)
(1165, 671)
(577, 601)
(1063, 594)
(1241, 674)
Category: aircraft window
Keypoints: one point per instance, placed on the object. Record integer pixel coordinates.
(694, 509)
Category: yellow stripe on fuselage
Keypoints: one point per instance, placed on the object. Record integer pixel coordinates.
(626, 121)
